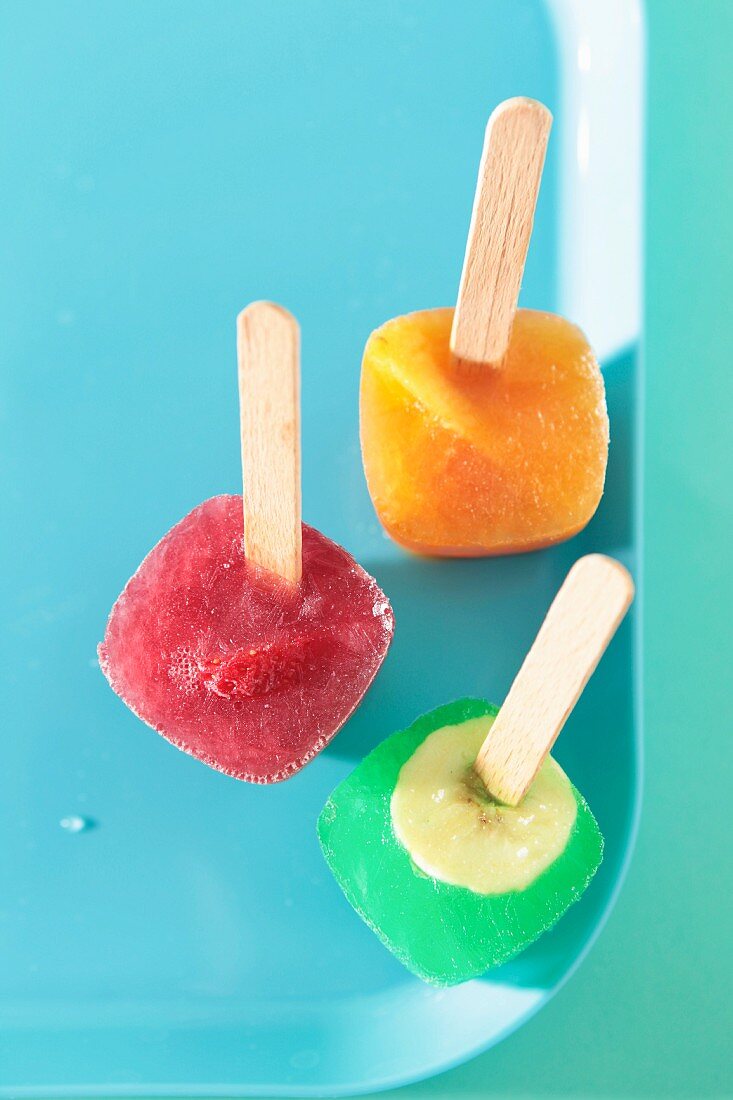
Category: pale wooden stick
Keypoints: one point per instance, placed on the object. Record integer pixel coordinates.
(581, 621)
(268, 351)
(501, 225)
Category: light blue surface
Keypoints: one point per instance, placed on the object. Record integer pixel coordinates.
(168, 163)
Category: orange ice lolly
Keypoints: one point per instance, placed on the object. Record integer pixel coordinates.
(484, 430)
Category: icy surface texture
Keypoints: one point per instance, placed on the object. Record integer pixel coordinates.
(227, 665)
(443, 933)
(463, 462)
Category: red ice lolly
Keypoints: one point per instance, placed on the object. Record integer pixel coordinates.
(245, 637)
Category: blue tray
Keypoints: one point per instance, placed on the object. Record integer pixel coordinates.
(165, 930)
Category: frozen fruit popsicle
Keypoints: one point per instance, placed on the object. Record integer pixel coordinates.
(245, 637)
(484, 430)
(459, 840)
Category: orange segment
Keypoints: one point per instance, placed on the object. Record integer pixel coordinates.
(462, 461)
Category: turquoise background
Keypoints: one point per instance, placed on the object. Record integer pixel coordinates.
(649, 1012)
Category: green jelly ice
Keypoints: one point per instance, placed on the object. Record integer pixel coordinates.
(444, 934)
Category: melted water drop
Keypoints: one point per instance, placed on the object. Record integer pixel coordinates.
(75, 823)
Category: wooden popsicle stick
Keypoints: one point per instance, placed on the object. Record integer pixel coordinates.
(268, 352)
(582, 619)
(501, 225)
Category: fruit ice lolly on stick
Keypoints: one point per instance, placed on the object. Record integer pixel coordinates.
(459, 840)
(245, 637)
(484, 430)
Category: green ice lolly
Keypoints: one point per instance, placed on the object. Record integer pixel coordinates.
(442, 932)
(459, 840)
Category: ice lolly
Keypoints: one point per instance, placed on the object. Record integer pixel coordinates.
(484, 430)
(460, 840)
(247, 638)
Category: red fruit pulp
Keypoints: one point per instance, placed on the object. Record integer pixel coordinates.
(255, 671)
(226, 663)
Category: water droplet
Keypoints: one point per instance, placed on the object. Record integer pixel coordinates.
(75, 823)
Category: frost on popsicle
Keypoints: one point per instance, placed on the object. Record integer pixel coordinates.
(226, 663)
